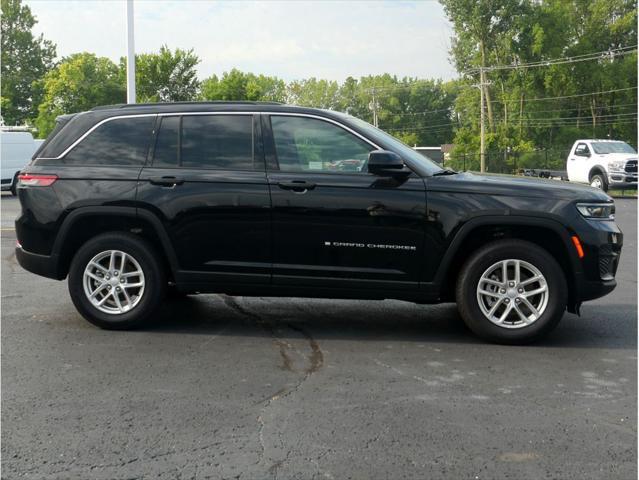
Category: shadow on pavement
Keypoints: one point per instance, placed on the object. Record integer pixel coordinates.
(373, 321)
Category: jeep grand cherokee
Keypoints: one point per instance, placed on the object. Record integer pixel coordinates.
(132, 202)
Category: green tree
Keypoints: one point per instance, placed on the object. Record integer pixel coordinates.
(165, 76)
(549, 105)
(237, 85)
(25, 59)
(80, 82)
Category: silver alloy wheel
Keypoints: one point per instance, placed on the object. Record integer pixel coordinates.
(596, 182)
(512, 293)
(113, 282)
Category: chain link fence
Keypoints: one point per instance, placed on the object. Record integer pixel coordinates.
(548, 163)
(510, 162)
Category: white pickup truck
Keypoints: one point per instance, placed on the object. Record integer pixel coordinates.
(603, 164)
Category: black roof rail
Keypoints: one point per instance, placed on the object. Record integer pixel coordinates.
(159, 104)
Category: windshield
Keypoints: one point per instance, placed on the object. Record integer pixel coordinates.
(612, 147)
(401, 148)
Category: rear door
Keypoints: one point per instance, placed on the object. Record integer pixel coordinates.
(207, 182)
(335, 224)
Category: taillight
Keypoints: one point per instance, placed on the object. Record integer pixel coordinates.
(35, 180)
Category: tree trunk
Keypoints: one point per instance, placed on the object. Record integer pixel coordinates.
(489, 106)
(521, 114)
(593, 112)
(503, 95)
(578, 115)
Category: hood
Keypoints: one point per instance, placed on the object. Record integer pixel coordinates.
(609, 157)
(516, 186)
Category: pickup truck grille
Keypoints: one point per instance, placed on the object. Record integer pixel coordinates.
(631, 166)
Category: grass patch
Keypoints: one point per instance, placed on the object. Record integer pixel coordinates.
(623, 193)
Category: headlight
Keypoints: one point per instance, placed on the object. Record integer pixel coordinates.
(604, 211)
(617, 166)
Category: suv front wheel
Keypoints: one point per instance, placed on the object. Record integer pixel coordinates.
(116, 281)
(511, 291)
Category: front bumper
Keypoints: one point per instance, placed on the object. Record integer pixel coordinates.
(622, 180)
(602, 242)
(43, 265)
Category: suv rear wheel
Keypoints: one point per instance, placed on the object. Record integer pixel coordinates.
(116, 281)
(511, 291)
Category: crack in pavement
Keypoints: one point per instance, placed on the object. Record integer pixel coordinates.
(315, 361)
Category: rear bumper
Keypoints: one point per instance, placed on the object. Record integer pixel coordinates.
(44, 265)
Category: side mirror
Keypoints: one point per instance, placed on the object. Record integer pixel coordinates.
(383, 162)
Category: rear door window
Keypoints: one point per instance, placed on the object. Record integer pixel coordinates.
(167, 143)
(205, 141)
(122, 141)
(217, 141)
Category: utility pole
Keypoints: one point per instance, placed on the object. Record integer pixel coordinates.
(130, 54)
(482, 138)
(373, 107)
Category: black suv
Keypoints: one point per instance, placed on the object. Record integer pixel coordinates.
(132, 202)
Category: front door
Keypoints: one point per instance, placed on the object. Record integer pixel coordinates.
(332, 220)
(207, 181)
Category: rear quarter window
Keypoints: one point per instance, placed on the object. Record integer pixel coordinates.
(122, 141)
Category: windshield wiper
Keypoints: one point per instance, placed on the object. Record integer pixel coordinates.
(445, 171)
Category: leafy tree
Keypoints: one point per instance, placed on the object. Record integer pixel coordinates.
(237, 85)
(522, 113)
(25, 59)
(165, 76)
(80, 82)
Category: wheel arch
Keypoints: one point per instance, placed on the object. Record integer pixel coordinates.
(85, 223)
(597, 169)
(549, 234)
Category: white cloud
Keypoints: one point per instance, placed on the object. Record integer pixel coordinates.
(289, 39)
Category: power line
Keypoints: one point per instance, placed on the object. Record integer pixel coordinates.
(540, 63)
(562, 121)
(611, 53)
(452, 109)
(539, 99)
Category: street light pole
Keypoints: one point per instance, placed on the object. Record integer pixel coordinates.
(130, 54)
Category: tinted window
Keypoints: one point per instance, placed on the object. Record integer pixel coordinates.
(217, 141)
(166, 145)
(122, 141)
(308, 144)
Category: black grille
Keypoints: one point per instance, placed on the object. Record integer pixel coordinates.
(631, 166)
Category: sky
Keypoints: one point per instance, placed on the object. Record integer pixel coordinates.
(291, 39)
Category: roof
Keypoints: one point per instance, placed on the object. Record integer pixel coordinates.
(597, 140)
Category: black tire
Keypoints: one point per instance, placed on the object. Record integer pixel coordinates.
(483, 259)
(14, 185)
(154, 276)
(601, 179)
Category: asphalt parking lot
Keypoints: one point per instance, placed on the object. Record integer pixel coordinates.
(255, 388)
